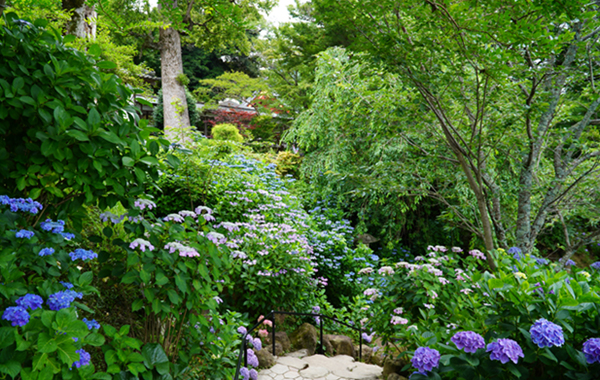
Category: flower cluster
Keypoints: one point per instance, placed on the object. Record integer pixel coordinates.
(468, 340)
(93, 324)
(546, 334)
(25, 234)
(477, 254)
(82, 254)
(184, 251)
(31, 301)
(143, 244)
(596, 265)
(54, 227)
(84, 358)
(46, 251)
(144, 203)
(21, 204)
(62, 299)
(425, 359)
(591, 350)
(17, 315)
(505, 350)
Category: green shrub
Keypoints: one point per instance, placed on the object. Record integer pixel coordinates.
(68, 134)
(227, 132)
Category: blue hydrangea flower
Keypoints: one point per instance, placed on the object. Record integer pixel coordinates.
(505, 350)
(32, 301)
(93, 324)
(54, 227)
(468, 340)
(242, 330)
(516, 253)
(20, 204)
(425, 359)
(67, 285)
(46, 251)
(84, 358)
(17, 315)
(596, 265)
(25, 234)
(82, 254)
(546, 334)
(570, 263)
(62, 299)
(541, 261)
(591, 350)
(67, 235)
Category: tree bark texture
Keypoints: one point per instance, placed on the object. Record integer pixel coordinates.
(78, 25)
(175, 107)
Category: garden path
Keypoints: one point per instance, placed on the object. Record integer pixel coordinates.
(298, 366)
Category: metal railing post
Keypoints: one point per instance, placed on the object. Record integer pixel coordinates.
(321, 342)
(245, 351)
(360, 345)
(273, 336)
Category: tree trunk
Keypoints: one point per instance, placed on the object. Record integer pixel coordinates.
(78, 25)
(175, 107)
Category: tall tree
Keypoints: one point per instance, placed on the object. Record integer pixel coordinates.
(207, 24)
(510, 87)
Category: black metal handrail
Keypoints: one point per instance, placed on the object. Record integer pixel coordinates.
(271, 317)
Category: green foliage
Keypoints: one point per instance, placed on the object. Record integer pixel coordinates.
(69, 134)
(183, 80)
(227, 132)
(157, 112)
(229, 85)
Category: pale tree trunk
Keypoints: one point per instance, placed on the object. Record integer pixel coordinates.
(81, 13)
(175, 107)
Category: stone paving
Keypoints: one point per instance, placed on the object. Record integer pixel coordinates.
(297, 365)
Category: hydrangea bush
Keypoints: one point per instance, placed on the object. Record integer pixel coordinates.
(527, 320)
(44, 280)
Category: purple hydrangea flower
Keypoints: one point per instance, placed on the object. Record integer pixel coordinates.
(46, 251)
(91, 324)
(242, 330)
(257, 343)
(55, 227)
(367, 338)
(252, 359)
(541, 261)
(82, 254)
(516, 253)
(596, 265)
(570, 263)
(62, 299)
(546, 334)
(25, 234)
(244, 373)
(32, 301)
(425, 359)
(468, 340)
(17, 315)
(253, 374)
(591, 350)
(84, 358)
(505, 350)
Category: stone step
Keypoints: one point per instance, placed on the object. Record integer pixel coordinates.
(297, 365)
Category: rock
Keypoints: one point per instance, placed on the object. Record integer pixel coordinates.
(265, 359)
(282, 338)
(278, 348)
(395, 376)
(338, 345)
(304, 337)
(394, 364)
(367, 353)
